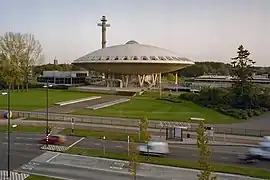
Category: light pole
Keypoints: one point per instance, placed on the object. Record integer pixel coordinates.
(8, 117)
(47, 112)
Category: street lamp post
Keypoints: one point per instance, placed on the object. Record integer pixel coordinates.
(47, 112)
(8, 128)
(9, 116)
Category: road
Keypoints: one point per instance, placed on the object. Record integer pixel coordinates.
(24, 147)
(74, 167)
(220, 154)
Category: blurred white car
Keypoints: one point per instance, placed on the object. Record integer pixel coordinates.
(154, 148)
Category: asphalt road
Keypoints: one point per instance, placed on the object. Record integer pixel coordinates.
(220, 154)
(87, 168)
(24, 147)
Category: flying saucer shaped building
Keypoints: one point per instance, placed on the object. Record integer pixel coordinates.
(132, 64)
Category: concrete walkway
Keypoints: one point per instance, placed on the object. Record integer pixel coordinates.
(86, 164)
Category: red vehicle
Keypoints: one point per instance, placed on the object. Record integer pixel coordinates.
(54, 139)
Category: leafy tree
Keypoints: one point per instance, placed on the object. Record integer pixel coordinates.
(170, 77)
(134, 160)
(18, 54)
(242, 70)
(144, 134)
(205, 153)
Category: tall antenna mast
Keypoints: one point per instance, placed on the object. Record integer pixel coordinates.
(103, 26)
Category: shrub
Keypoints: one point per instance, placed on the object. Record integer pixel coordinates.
(189, 96)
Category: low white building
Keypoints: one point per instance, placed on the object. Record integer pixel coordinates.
(68, 78)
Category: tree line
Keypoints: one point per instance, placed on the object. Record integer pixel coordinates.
(215, 68)
(243, 99)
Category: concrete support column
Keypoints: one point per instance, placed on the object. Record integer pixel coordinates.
(160, 89)
(141, 80)
(108, 81)
(154, 79)
(176, 79)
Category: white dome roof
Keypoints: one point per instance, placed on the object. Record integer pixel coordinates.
(133, 52)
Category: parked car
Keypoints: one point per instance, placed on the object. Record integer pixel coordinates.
(154, 148)
(54, 139)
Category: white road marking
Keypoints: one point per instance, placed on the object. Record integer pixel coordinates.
(76, 142)
(96, 144)
(53, 157)
(119, 146)
(225, 158)
(67, 148)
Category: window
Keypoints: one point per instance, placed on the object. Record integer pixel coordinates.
(108, 58)
(153, 58)
(100, 58)
(168, 57)
(135, 58)
(161, 58)
(125, 58)
(144, 58)
(116, 58)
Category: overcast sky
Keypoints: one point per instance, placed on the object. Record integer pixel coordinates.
(198, 29)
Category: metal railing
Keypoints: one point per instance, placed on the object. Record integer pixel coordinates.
(116, 121)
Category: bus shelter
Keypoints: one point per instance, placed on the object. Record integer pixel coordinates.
(174, 130)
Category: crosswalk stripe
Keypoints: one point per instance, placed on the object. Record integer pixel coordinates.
(13, 176)
(51, 147)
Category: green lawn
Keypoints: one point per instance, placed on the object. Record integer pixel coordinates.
(149, 106)
(36, 98)
(31, 129)
(253, 172)
(117, 136)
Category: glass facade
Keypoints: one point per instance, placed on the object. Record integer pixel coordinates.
(79, 79)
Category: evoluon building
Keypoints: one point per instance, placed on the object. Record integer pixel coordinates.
(132, 64)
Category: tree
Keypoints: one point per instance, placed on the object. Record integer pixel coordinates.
(144, 134)
(205, 153)
(242, 70)
(170, 77)
(19, 53)
(134, 160)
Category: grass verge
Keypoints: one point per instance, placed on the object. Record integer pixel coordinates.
(36, 177)
(176, 163)
(30, 129)
(116, 136)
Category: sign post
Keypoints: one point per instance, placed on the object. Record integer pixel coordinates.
(128, 145)
(104, 151)
(72, 125)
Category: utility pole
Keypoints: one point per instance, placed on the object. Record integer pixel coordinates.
(47, 114)
(103, 26)
(9, 116)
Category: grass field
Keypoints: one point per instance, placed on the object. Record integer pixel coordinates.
(149, 106)
(36, 98)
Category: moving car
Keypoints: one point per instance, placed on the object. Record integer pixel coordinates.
(262, 152)
(154, 148)
(54, 139)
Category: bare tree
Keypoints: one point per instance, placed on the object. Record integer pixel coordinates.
(32, 56)
(19, 53)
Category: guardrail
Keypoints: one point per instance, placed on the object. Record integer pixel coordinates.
(128, 122)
